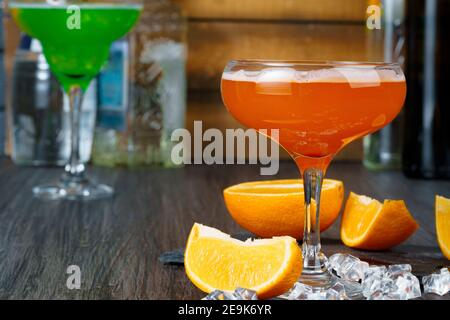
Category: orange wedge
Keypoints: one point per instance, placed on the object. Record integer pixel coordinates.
(276, 208)
(443, 224)
(214, 260)
(369, 224)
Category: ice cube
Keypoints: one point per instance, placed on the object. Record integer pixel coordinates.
(374, 271)
(380, 295)
(335, 261)
(394, 283)
(397, 269)
(221, 295)
(336, 292)
(319, 295)
(376, 285)
(353, 290)
(407, 286)
(371, 286)
(299, 291)
(245, 294)
(215, 295)
(347, 266)
(356, 273)
(302, 291)
(437, 283)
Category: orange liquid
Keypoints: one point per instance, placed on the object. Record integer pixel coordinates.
(315, 119)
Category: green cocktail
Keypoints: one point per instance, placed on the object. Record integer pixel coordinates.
(76, 37)
(75, 55)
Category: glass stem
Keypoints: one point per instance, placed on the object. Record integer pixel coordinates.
(313, 259)
(75, 169)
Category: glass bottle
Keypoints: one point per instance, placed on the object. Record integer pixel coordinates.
(40, 114)
(426, 152)
(2, 84)
(135, 130)
(383, 149)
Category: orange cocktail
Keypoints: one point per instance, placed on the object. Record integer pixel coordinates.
(317, 112)
(318, 108)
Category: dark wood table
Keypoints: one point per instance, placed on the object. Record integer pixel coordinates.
(116, 243)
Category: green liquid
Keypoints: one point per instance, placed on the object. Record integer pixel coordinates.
(76, 56)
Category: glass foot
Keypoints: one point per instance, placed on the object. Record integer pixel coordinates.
(78, 190)
(315, 271)
(321, 280)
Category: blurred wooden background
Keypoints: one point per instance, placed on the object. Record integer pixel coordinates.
(221, 30)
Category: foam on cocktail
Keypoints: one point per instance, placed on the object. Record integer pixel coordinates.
(364, 76)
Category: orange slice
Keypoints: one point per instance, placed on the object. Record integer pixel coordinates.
(369, 224)
(276, 208)
(443, 224)
(214, 260)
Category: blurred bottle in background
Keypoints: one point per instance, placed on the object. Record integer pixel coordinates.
(40, 114)
(383, 149)
(2, 85)
(11, 37)
(426, 151)
(142, 92)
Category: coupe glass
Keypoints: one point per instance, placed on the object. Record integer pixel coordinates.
(76, 37)
(317, 108)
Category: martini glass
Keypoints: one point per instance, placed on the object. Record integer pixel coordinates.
(76, 37)
(317, 108)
